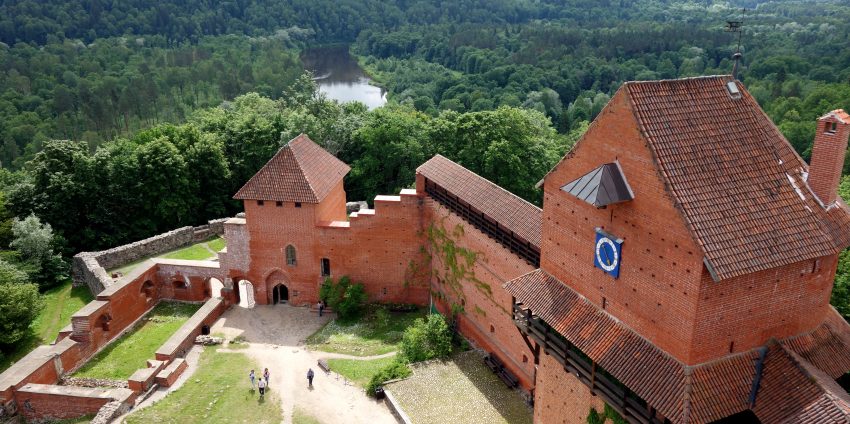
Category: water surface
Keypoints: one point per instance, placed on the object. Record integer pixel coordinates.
(340, 77)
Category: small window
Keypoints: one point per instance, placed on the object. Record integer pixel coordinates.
(604, 303)
(180, 285)
(297, 204)
(492, 328)
(260, 203)
(291, 260)
(385, 291)
(326, 267)
(831, 127)
(278, 204)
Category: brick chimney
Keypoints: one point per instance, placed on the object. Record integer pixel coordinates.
(828, 155)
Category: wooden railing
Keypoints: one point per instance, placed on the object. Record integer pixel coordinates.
(625, 402)
(486, 224)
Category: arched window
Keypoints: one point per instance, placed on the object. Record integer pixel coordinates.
(290, 255)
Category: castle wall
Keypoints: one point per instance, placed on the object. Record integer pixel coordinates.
(743, 313)
(90, 267)
(486, 317)
(658, 288)
(375, 247)
(560, 397)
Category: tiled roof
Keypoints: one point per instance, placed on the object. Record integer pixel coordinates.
(827, 347)
(300, 171)
(692, 394)
(509, 210)
(737, 181)
(838, 114)
(648, 371)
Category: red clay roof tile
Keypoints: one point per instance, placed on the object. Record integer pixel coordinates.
(792, 388)
(301, 171)
(737, 181)
(509, 210)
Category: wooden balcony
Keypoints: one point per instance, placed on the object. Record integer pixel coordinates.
(631, 407)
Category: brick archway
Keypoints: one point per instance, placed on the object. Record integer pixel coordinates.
(278, 286)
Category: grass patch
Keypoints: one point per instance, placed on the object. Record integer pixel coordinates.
(366, 337)
(122, 358)
(358, 371)
(196, 252)
(216, 244)
(459, 390)
(219, 392)
(301, 417)
(59, 304)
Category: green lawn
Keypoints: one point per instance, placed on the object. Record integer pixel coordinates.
(59, 304)
(196, 252)
(219, 392)
(122, 358)
(359, 371)
(366, 337)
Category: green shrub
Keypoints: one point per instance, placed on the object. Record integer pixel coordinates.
(19, 305)
(594, 417)
(343, 297)
(614, 415)
(393, 371)
(351, 305)
(381, 316)
(426, 339)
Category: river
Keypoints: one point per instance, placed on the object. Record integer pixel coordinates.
(340, 77)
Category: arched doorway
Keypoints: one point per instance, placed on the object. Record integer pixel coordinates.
(280, 294)
(246, 294)
(215, 287)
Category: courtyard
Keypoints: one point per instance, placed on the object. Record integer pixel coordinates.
(216, 387)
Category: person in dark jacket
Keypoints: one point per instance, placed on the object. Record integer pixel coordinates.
(310, 375)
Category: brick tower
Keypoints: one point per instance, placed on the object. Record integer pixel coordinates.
(687, 264)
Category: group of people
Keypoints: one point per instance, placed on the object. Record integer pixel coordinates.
(263, 383)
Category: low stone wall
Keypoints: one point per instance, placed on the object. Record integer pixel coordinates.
(89, 268)
(50, 402)
(182, 340)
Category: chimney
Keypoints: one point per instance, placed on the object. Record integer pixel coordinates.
(828, 155)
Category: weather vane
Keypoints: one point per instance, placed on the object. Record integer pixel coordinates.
(737, 27)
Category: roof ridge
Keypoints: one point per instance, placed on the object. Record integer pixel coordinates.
(685, 79)
(483, 178)
(303, 173)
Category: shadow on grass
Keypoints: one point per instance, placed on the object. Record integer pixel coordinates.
(366, 333)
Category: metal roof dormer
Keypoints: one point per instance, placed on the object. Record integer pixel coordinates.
(602, 186)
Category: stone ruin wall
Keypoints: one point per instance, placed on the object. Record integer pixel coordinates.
(89, 268)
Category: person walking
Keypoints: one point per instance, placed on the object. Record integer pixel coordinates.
(310, 375)
(262, 385)
(321, 306)
(251, 377)
(266, 376)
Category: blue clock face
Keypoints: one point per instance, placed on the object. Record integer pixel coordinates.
(607, 253)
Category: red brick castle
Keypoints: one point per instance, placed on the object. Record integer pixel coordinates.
(680, 270)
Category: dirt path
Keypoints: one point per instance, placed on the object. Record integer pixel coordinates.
(276, 336)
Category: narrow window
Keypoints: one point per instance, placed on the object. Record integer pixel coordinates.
(297, 204)
(290, 255)
(492, 328)
(260, 203)
(326, 267)
(731, 346)
(604, 303)
(278, 203)
(831, 127)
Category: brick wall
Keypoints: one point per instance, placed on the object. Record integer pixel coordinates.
(375, 248)
(739, 314)
(559, 397)
(90, 267)
(486, 318)
(46, 402)
(659, 284)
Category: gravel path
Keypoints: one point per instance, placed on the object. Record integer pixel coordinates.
(276, 339)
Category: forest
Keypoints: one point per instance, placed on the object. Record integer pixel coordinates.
(120, 120)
